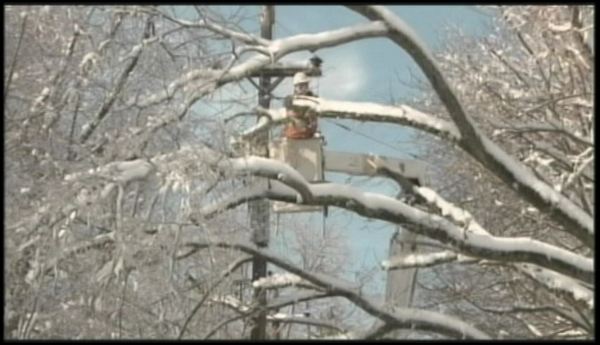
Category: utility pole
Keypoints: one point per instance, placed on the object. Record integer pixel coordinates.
(400, 284)
(259, 209)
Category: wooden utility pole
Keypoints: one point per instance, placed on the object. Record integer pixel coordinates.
(259, 209)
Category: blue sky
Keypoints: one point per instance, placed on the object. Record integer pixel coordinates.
(363, 71)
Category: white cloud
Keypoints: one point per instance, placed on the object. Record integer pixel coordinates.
(344, 76)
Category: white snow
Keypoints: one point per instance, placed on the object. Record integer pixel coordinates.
(363, 111)
(279, 280)
(446, 208)
(90, 59)
(533, 329)
(524, 176)
(566, 26)
(419, 260)
(231, 301)
(477, 241)
(559, 282)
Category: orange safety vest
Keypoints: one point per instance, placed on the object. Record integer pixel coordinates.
(303, 124)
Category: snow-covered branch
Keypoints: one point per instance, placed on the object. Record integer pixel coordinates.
(430, 197)
(273, 117)
(271, 169)
(560, 284)
(425, 260)
(402, 317)
(363, 111)
(277, 281)
(120, 171)
(574, 220)
(237, 306)
(556, 283)
(477, 244)
(214, 27)
(562, 312)
(285, 318)
(277, 48)
(280, 302)
(232, 302)
(543, 127)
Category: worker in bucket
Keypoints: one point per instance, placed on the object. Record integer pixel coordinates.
(304, 121)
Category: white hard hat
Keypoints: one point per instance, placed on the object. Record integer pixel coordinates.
(300, 78)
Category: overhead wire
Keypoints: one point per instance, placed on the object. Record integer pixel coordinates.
(395, 148)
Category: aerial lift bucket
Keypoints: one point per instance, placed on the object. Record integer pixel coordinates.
(304, 155)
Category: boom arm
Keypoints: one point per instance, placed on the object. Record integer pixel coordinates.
(358, 164)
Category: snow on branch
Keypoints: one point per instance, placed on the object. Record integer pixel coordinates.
(303, 320)
(473, 243)
(425, 260)
(120, 171)
(272, 118)
(560, 284)
(516, 309)
(481, 245)
(556, 283)
(277, 49)
(277, 280)
(280, 302)
(271, 169)
(242, 196)
(300, 318)
(401, 318)
(446, 208)
(574, 219)
(212, 79)
(214, 27)
(363, 111)
(231, 302)
(426, 195)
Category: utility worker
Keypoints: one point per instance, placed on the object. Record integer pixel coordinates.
(304, 122)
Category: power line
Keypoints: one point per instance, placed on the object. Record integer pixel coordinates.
(373, 139)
